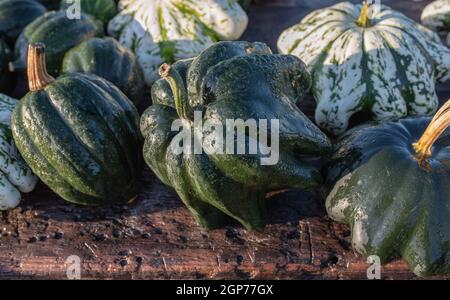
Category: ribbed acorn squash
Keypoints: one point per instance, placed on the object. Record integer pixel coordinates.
(436, 16)
(380, 63)
(15, 175)
(103, 10)
(168, 30)
(231, 80)
(79, 134)
(392, 187)
(59, 34)
(110, 60)
(15, 15)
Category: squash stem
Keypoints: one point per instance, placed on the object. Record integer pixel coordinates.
(178, 88)
(437, 126)
(38, 77)
(364, 20)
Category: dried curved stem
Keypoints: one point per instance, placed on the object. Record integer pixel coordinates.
(38, 77)
(437, 126)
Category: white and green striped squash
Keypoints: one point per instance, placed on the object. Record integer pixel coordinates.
(161, 31)
(15, 175)
(436, 16)
(378, 62)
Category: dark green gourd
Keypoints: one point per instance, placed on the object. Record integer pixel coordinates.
(102, 10)
(394, 192)
(59, 34)
(79, 134)
(110, 60)
(232, 80)
(15, 15)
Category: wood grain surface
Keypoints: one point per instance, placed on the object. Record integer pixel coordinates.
(156, 238)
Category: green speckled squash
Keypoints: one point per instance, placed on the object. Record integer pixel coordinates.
(377, 63)
(168, 30)
(59, 34)
(110, 60)
(103, 10)
(231, 80)
(79, 134)
(15, 15)
(391, 184)
(5, 76)
(436, 16)
(15, 175)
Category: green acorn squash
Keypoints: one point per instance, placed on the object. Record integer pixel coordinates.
(5, 57)
(79, 134)
(15, 15)
(168, 30)
(392, 187)
(436, 16)
(59, 34)
(15, 175)
(110, 60)
(229, 81)
(103, 10)
(376, 63)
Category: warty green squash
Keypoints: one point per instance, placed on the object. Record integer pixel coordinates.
(59, 34)
(103, 10)
(391, 183)
(15, 175)
(436, 16)
(168, 30)
(108, 59)
(79, 134)
(229, 81)
(15, 15)
(376, 62)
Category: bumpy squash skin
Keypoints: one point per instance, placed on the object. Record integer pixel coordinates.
(110, 60)
(395, 208)
(15, 15)
(59, 34)
(80, 136)
(103, 10)
(387, 70)
(5, 76)
(213, 186)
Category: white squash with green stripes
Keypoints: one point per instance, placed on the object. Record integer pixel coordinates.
(374, 61)
(15, 175)
(436, 16)
(161, 31)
